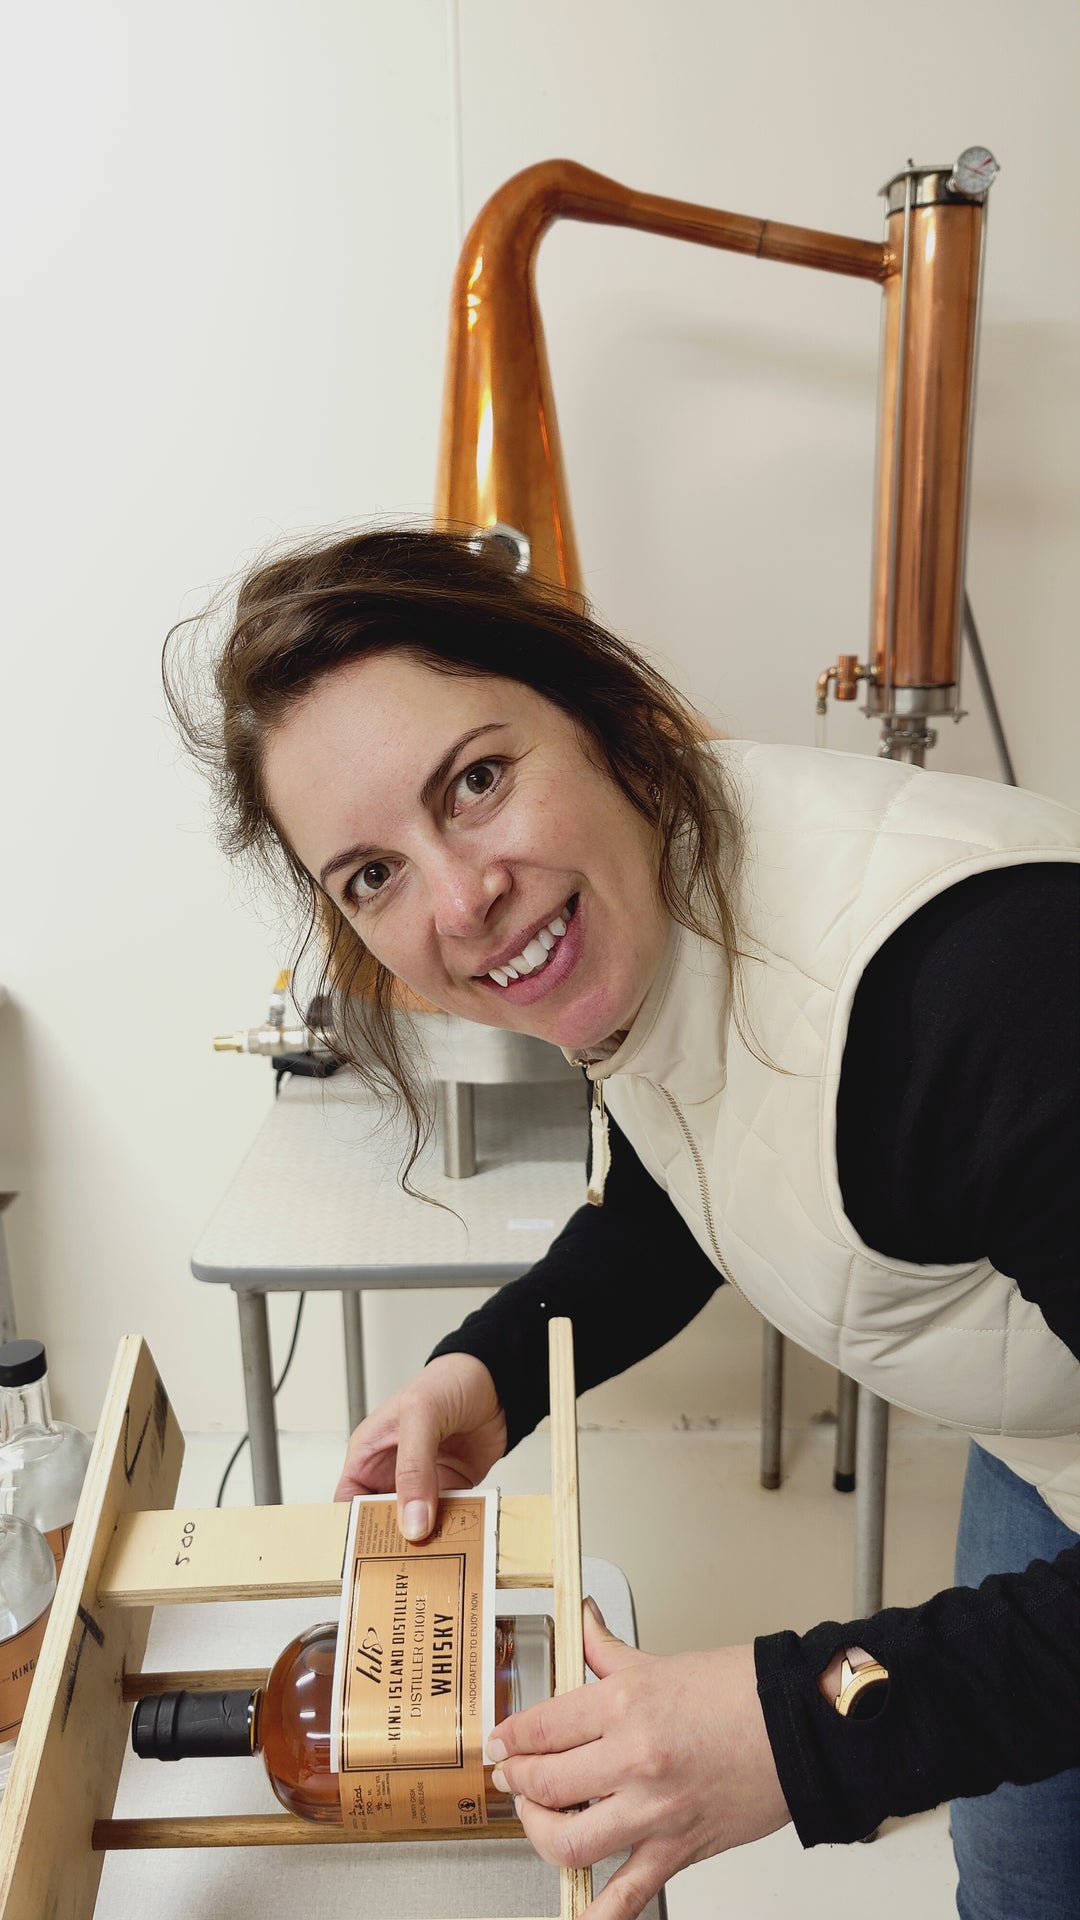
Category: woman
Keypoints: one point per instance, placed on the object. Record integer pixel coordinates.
(830, 1004)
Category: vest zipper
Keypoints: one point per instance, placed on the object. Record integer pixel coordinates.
(706, 1203)
(600, 1160)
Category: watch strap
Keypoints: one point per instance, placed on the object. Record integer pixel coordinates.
(860, 1676)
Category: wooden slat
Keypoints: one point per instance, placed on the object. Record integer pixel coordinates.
(265, 1830)
(262, 1553)
(71, 1747)
(142, 1686)
(575, 1883)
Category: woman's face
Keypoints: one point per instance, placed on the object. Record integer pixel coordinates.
(463, 830)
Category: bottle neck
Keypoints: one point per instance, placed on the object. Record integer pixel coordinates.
(26, 1406)
(185, 1726)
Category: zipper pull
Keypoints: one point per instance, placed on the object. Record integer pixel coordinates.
(601, 1146)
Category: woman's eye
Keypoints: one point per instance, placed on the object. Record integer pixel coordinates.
(478, 780)
(370, 879)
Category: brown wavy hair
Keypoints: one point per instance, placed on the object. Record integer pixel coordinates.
(300, 615)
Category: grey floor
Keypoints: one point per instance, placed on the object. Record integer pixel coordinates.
(712, 1559)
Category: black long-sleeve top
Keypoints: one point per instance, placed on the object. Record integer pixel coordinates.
(958, 1138)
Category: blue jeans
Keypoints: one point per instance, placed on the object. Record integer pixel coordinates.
(1017, 1850)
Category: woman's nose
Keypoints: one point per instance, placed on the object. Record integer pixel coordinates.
(464, 892)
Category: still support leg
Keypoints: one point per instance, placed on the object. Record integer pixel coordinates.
(7, 1299)
(351, 1312)
(870, 1456)
(772, 1403)
(259, 1394)
(457, 1125)
(847, 1395)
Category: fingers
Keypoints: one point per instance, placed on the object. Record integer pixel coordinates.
(604, 1651)
(420, 1429)
(453, 1401)
(582, 1839)
(635, 1883)
(369, 1461)
(561, 1780)
(573, 1720)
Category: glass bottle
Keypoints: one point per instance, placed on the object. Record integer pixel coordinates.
(27, 1585)
(288, 1720)
(42, 1461)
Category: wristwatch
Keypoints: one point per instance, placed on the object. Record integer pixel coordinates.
(862, 1679)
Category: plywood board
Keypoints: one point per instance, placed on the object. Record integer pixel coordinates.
(71, 1747)
(263, 1553)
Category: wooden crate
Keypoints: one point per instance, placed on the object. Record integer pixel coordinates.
(124, 1558)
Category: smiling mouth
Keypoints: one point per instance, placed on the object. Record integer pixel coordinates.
(536, 952)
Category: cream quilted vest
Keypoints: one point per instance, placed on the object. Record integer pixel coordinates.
(840, 851)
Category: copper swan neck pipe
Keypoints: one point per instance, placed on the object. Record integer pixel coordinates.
(501, 459)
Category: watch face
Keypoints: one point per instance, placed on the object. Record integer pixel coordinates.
(862, 1687)
(868, 1699)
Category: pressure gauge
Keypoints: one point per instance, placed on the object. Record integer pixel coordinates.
(974, 172)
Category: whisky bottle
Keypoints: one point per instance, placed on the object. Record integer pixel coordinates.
(288, 1720)
(27, 1585)
(42, 1461)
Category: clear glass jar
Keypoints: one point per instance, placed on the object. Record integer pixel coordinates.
(43, 1461)
(27, 1585)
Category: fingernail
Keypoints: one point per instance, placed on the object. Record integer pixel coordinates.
(499, 1781)
(415, 1523)
(496, 1750)
(595, 1611)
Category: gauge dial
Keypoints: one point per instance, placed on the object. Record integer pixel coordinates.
(974, 171)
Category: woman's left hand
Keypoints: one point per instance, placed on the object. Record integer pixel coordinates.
(673, 1751)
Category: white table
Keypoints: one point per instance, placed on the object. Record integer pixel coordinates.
(317, 1205)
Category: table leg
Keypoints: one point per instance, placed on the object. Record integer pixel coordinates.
(7, 1303)
(457, 1125)
(772, 1403)
(847, 1398)
(871, 1447)
(259, 1394)
(354, 1355)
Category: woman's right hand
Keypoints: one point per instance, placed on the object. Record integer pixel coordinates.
(445, 1429)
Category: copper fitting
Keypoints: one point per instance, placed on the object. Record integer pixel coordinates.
(846, 674)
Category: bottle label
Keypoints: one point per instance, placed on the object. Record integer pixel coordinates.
(414, 1681)
(18, 1658)
(58, 1538)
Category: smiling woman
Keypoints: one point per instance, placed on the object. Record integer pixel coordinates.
(870, 1122)
(476, 792)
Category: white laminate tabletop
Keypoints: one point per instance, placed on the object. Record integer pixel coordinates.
(317, 1202)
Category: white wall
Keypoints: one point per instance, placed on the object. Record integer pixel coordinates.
(235, 230)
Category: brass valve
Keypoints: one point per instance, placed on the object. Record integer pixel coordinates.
(846, 675)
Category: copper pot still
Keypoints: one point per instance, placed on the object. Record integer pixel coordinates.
(501, 466)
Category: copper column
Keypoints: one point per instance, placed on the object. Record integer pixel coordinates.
(501, 468)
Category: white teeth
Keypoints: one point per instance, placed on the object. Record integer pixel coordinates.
(532, 956)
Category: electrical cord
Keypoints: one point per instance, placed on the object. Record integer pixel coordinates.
(238, 1450)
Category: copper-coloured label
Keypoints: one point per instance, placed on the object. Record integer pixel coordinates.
(409, 1694)
(18, 1658)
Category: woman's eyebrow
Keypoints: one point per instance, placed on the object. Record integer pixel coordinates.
(441, 772)
(350, 856)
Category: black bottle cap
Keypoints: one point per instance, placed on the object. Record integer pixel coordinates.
(187, 1726)
(21, 1363)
